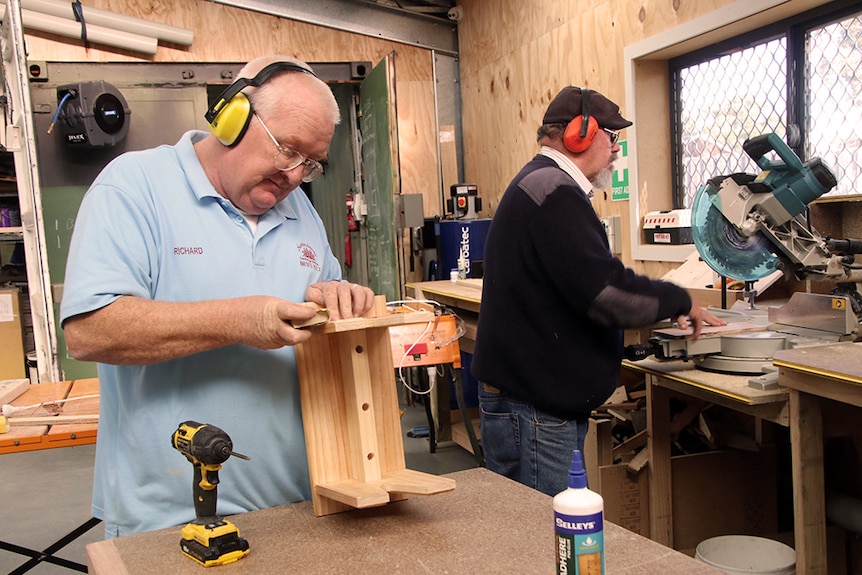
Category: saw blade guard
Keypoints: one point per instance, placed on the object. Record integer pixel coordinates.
(725, 249)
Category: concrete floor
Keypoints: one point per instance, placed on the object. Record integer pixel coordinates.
(46, 494)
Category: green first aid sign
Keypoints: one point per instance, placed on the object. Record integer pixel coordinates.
(620, 181)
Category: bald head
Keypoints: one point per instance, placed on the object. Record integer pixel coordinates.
(266, 98)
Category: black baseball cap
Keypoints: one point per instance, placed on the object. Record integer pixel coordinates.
(566, 106)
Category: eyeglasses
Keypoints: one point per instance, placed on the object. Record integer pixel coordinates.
(613, 136)
(287, 159)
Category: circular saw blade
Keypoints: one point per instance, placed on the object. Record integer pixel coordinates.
(725, 249)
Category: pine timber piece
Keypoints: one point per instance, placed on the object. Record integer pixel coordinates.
(682, 419)
(618, 396)
(711, 330)
(351, 415)
(8, 422)
(638, 462)
(34, 437)
(12, 388)
(633, 443)
(81, 388)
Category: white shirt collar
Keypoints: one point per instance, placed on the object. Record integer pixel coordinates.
(570, 168)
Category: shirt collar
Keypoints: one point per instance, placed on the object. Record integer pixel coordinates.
(568, 166)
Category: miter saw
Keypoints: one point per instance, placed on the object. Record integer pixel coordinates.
(746, 227)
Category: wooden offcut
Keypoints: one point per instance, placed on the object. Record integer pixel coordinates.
(11, 389)
(351, 415)
(38, 428)
(7, 422)
(731, 328)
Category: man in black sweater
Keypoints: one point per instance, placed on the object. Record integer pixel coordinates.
(555, 300)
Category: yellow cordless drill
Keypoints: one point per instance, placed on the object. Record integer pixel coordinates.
(209, 539)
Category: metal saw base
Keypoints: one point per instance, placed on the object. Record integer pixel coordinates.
(734, 365)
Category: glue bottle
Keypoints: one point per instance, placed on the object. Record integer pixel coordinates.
(579, 525)
(462, 265)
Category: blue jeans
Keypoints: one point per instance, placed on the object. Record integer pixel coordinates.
(528, 445)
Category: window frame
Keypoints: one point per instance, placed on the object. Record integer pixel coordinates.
(647, 88)
(794, 29)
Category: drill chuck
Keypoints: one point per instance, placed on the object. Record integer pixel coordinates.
(213, 448)
(203, 443)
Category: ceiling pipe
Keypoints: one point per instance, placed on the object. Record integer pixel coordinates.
(107, 24)
(96, 34)
(63, 9)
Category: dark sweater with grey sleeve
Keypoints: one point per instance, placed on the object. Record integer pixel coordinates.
(555, 300)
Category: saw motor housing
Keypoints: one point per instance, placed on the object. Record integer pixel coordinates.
(746, 226)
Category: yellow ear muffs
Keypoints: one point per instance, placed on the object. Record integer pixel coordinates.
(231, 119)
(230, 114)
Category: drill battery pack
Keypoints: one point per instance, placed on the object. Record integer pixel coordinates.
(213, 544)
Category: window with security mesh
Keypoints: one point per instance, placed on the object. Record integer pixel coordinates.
(833, 123)
(802, 76)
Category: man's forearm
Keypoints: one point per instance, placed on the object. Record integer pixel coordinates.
(134, 331)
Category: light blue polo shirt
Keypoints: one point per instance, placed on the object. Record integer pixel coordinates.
(152, 226)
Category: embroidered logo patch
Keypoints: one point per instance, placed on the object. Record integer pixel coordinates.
(308, 257)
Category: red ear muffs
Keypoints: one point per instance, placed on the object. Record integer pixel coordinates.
(582, 129)
(579, 133)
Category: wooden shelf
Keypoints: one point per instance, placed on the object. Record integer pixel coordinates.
(11, 234)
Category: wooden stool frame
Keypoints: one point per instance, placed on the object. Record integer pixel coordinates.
(352, 418)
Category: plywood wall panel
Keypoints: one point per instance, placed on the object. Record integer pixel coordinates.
(659, 15)
(228, 34)
(514, 56)
(558, 43)
(417, 146)
(500, 27)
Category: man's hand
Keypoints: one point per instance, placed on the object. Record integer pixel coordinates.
(274, 327)
(343, 300)
(698, 316)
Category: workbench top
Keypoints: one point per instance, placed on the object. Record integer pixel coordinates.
(464, 294)
(730, 385)
(488, 524)
(840, 361)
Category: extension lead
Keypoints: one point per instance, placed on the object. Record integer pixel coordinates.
(579, 525)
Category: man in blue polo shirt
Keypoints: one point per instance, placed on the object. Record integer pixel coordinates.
(183, 271)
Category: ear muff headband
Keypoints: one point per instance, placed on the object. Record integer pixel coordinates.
(585, 111)
(581, 130)
(230, 113)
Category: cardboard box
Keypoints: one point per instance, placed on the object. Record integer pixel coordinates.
(626, 497)
(714, 493)
(671, 227)
(11, 336)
